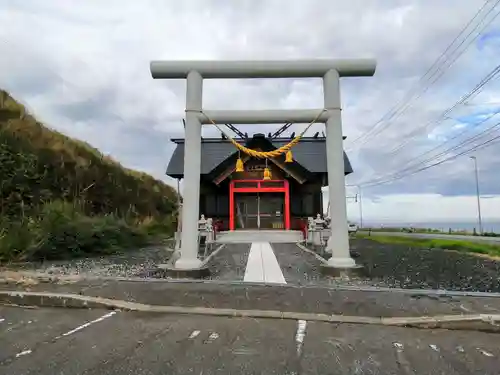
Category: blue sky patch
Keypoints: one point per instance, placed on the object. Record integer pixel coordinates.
(479, 117)
(490, 39)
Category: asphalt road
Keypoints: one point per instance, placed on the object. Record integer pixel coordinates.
(439, 236)
(68, 341)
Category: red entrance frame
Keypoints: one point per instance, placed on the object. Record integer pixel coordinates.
(259, 187)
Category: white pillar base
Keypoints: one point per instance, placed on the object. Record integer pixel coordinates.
(187, 263)
(341, 257)
(341, 262)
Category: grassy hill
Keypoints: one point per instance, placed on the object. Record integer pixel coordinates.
(60, 197)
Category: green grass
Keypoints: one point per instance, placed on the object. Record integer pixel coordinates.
(62, 198)
(428, 243)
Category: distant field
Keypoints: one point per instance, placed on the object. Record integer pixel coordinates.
(431, 230)
(431, 243)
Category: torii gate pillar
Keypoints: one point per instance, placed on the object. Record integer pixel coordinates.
(330, 70)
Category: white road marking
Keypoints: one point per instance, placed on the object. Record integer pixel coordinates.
(484, 352)
(244, 351)
(213, 336)
(262, 265)
(87, 324)
(299, 336)
(434, 347)
(29, 351)
(24, 352)
(464, 308)
(194, 334)
(399, 347)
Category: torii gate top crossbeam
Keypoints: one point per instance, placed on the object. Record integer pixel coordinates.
(264, 69)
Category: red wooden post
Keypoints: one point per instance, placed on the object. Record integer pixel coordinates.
(231, 205)
(287, 205)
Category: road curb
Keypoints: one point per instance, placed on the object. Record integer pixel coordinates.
(318, 257)
(44, 278)
(477, 322)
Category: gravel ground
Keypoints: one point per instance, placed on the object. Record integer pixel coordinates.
(411, 268)
(387, 265)
(128, 264)
(302, 268)
(230, 263)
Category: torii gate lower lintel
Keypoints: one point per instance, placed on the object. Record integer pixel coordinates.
(330, 70)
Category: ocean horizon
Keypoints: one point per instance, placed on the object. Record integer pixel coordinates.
(488, 226)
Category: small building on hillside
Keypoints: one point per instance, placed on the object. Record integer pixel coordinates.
(245, 200)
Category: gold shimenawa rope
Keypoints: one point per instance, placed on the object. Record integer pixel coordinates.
(265, 154)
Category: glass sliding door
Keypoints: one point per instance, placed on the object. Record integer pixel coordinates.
(247, 211)
(259, 204)
(271, 210)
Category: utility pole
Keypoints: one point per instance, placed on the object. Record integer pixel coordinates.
(360, 207)
(478, 197)
(347, 197)
(360, 204)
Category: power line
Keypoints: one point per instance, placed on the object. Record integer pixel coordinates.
(476, 90)
(412, 164)
(451, 149)
(435, 157)
(404, 107)
(401, 107)
(475, 148)
(466, 130)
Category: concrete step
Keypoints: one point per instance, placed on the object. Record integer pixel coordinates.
(249, 236)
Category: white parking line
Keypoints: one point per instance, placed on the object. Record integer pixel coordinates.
(194, 334)
(29, 351)
(484, 352)
(299, 336)
(24, 352)
(434, 347)
(213, 336)
(399, 347)
(262, 265)
(87, 324)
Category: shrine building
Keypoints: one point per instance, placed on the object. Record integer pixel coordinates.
(275, 193)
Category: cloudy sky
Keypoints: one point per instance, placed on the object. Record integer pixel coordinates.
(83, 68)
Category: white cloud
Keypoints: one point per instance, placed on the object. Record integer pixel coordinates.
(83, 68)
(426, 208)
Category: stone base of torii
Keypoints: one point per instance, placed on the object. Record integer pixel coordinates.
(329, 70)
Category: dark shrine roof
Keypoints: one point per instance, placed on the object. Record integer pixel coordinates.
(310, 153)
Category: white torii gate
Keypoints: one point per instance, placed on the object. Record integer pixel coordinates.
(330, 70)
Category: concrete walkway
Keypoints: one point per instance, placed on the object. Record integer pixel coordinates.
(262, 265)
(264, 262)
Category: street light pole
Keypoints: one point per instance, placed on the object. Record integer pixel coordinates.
(477, 195)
